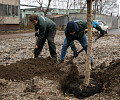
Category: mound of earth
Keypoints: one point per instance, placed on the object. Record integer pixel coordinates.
(106, 78)
(29, 68)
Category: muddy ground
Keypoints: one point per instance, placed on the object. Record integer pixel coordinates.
(24, 78)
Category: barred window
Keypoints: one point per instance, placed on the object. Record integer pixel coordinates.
(1, 9)
(16, 10)
(9, 10)
(13, 11)
(5, 10)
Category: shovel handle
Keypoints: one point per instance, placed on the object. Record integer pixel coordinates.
(34, 45)
(86, 47)
(78, 53)
(98, 37)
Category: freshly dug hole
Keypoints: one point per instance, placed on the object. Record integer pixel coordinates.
(101, 79)
(73, 84)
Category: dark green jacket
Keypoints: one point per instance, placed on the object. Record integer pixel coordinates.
(44, 24)
(70, 38)
(82, 26)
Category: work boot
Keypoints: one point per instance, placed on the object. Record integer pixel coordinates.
(61, 61)
(93, 67)
(35, 56)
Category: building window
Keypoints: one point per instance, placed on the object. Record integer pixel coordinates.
(1, 9)
(5, 10)
(9, 10)
(16, 10)
(13, 11)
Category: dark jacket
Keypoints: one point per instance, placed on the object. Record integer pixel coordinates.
(82, 26)
(44, 24)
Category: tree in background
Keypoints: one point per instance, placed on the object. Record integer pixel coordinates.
(105, 6)
(99, 6)
(43, 9)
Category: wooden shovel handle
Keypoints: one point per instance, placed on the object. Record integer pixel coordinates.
(34, 46)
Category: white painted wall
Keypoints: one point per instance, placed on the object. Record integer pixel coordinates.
(10, 2)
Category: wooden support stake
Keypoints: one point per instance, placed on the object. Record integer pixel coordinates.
(89, 49)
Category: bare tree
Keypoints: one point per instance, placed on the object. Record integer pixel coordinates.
(67, 7)
(78, 4)
(109, 6)
(83, 7)
(45, 10)
(105, 6)
(74, 4)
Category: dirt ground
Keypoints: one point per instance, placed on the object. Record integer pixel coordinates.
(24, 78)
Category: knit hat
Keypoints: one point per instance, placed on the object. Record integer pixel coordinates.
(72, 26)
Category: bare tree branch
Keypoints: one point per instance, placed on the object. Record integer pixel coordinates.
(40, 2)
(106, 6)
(83, 7)
(47, 7)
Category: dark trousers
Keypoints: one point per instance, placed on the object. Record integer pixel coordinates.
(49, 35)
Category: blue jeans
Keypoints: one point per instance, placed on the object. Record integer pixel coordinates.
(82, 41)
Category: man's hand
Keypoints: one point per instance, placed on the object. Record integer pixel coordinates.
(36, 34)
(75, 53)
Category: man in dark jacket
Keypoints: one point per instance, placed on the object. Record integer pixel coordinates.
(76, 31)
(45, 29)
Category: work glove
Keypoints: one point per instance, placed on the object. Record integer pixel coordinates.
(36, 53)
(36, 34)
(75, 53)
(102, 32)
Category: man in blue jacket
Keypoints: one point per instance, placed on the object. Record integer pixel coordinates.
(45, 30)
(76, 31)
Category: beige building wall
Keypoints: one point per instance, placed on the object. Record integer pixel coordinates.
(10, 2)
(10, 19)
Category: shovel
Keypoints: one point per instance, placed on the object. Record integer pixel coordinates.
(86, 47)
(34, 47)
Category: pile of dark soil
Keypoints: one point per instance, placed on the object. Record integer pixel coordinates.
(29, 68)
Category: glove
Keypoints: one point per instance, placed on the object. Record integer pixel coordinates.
(36, 53)
(102, 32)
(36, 34)
(75, 53)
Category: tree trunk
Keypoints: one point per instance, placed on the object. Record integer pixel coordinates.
(88, 59)
(47, 7)
(95, 9)
(100, 6)
(67, 8)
